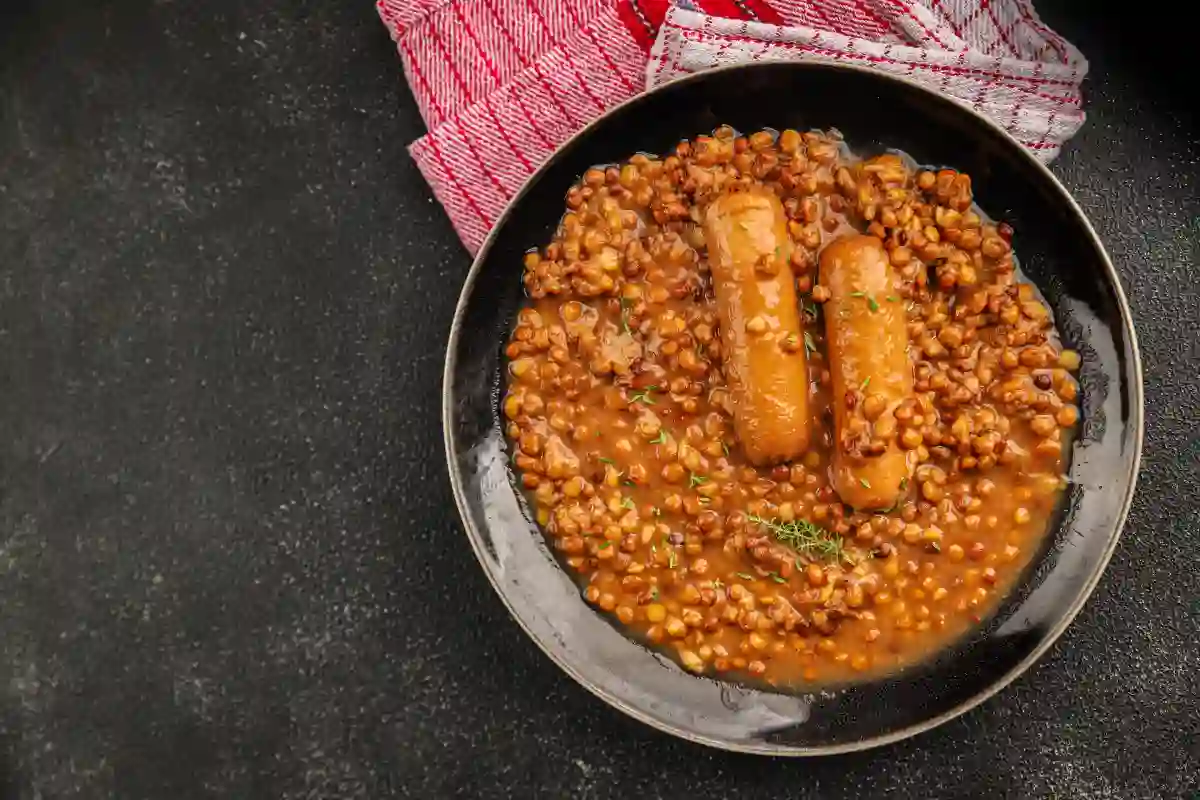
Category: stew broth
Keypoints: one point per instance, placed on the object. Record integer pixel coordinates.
(623, 434)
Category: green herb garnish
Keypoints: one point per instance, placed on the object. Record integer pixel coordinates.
(810, 347)
(893, 299)
(661, 438)
(627, 503)
(644, 396)
(807, 538)
(810, 309)
(775, 577)
(871, 304)
(654, 593)
(695, 480)
(865, 384)
(604, 545)
(866, 484)
(744, 576)
(604, 460)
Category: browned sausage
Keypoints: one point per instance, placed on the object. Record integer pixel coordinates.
(761, 339)
(867, 337)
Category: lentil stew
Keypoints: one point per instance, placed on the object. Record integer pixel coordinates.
(789, 414)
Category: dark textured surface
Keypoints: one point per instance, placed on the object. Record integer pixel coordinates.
(229, 560)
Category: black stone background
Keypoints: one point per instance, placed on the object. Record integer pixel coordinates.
(230, 565)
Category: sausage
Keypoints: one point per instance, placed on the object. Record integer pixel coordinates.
(764, 362)
(867, 338)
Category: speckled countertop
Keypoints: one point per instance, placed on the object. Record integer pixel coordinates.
(230, 565)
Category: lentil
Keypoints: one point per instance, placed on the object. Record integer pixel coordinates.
(622, 432)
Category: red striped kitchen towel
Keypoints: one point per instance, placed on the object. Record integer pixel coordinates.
(501, 83)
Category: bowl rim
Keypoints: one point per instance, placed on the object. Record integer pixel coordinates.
(1137, 423)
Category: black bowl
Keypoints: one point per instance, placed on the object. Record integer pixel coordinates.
(1058, 250)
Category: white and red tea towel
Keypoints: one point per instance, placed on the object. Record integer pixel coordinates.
(501, 83)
